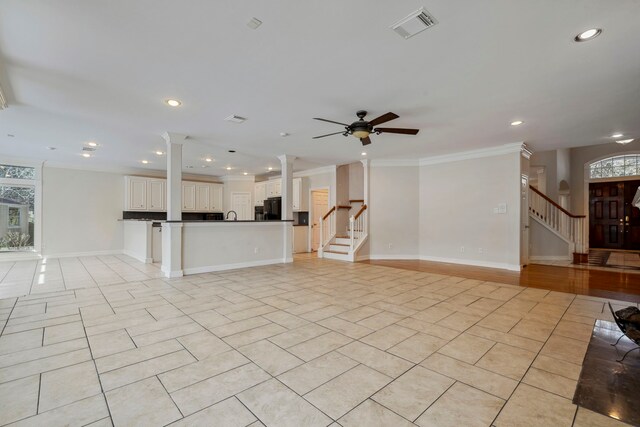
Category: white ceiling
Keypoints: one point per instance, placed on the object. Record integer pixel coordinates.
(77, 70)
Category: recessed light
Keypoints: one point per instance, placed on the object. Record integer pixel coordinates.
(617, 135)
(92, 144)
(517, 123)
(364, 153)
(144, 162)
(624, 141)
(86, 155)
(159, 153)
(208, 159)
(588, 35)
(228, 168)
(51, 148)
(173, 102)
(246, 173)
(270, 168)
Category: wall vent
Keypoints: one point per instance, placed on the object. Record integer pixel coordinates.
(415, 23)
(235, 119)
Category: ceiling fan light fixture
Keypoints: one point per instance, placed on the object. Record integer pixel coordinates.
(360, 133)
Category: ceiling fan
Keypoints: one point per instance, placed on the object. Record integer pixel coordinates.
(361, 129)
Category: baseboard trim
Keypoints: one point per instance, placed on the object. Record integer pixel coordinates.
(550, 258)
(138, 258)
(222, 267)
(81, 254)
(391, 257)
(475, 263)
(172, 274)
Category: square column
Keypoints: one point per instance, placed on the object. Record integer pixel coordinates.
(286, 189)
(172, 229)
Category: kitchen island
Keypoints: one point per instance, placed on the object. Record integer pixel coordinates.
(212, 245)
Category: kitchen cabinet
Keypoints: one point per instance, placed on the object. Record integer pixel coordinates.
(203, 197)
(274, 188)
(188, 197)
(157, 200)
(260, 193)
(150, 195)
(297, 188)
(300, 239)
(215, 204)
(135, 193)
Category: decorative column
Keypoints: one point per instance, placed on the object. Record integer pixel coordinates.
(286, 189)
(172, 228)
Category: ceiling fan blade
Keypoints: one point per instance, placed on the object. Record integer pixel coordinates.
(365, 141)
(397, 130)
(329, 134)
(330, 121)
(383, 119)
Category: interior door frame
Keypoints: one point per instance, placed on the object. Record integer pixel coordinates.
(588, 180)
(233, 193)
(311, 213)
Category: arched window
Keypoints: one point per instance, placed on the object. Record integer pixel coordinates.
(612, 167)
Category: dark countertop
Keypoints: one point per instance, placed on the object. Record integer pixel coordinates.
(231, 221)
(300, 225)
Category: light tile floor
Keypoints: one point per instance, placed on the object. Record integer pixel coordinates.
(105, 340)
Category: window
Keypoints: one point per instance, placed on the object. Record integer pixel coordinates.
(627, 165)
(17, 172)
(14, 217)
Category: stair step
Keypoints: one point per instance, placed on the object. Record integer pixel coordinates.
(337, 252)
(340, 244)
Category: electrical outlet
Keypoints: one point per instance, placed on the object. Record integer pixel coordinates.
(461, 248)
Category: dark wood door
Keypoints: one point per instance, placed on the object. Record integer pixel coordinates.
(606, 215)
(631, 217)
(614, 222)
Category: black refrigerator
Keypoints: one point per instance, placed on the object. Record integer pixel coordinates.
(273, 208)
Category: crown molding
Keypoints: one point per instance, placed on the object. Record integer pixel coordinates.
(316, 171)
(227, 178)
(384, 163)
(515, 147)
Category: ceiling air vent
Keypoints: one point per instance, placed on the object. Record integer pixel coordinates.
(85, 148)
(415, 23)
(235, 119)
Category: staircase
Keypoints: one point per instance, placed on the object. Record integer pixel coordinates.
(343, 246)
(567, 226)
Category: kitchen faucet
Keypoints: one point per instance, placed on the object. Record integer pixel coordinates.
(235, 215)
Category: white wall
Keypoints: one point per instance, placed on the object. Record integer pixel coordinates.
(457, 201)
(393, 212)
(544, 245)
(80, 211)
(356, 181)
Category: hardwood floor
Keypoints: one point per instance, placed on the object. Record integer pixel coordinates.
(599, 283)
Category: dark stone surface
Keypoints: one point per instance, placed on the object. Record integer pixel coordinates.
(606, 386)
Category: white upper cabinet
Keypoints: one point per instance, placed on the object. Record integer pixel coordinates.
(188, 197)
(203, 197)
(274, 188)
(297, 189)
(157, 200)
(215, 204)
(260, 193)
(135, 193)
(150, 194)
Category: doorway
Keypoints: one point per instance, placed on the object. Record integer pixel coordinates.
(319, 207)
(241, 204)
(614, 223)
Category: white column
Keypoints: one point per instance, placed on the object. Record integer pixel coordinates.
(286, 162)
(172, 229)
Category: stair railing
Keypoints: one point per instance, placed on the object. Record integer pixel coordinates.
(327, 228)
(357, 227)
(571, 227)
